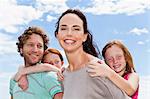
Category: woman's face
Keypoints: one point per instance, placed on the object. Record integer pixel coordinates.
(114, 57)
(70, 33)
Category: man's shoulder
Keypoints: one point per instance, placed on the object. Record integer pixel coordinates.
(51, 75)
(50, 78)
(44, 74)
(45, 77)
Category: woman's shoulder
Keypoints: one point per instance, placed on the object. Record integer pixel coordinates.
(132, 75)
(93, 58)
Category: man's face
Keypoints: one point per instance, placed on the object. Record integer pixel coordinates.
(33, 50)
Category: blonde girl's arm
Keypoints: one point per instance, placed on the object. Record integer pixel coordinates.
(129, 86)
(35, 69)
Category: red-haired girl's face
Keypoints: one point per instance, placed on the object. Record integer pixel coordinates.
(114, 57)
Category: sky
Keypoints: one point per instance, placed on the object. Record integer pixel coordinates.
(125, 20)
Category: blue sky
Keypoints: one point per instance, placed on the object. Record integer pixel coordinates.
(126, 20)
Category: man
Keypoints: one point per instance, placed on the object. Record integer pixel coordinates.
(31, 45)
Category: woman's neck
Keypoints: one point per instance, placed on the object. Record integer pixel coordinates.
(77, 60)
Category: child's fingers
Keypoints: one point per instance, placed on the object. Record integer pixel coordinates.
(92, 74)
(91, 66)
(62, 69)
(60, 76)
(91, 70)
(96, 62)
(23, 87)
(100, 61)
(23, 83)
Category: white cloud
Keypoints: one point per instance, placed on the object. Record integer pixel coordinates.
(52, 6)
(13, 15)
(138, 31)
(128, 7)
(148, 40)
(7, 45)
(50, 18)
(5, 2)
(115, 32)
(140, 43)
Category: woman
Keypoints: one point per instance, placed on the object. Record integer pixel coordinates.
(77, 42)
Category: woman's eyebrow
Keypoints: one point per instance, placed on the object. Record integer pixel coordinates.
(63, 25)
(76, 26)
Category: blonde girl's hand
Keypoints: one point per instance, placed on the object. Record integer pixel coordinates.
(98, 68)
(23, 82)
(60, 74)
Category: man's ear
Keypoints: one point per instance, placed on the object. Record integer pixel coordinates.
(21, 51)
